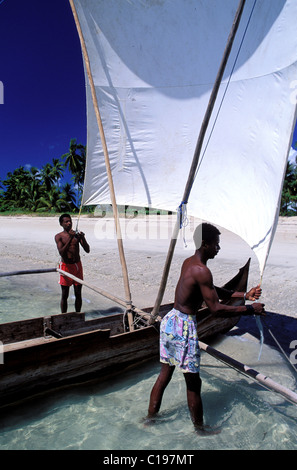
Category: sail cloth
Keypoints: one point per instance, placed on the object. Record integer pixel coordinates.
(154, 64)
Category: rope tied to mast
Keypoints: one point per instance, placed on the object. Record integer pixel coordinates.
(260, 327)
(183, 219)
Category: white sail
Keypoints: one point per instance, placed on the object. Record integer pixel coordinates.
(153, 66)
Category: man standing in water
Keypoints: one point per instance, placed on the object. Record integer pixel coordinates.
(178, 331)
(68, 243)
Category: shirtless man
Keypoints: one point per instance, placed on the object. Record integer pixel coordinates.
(178, 331)
(68, 243)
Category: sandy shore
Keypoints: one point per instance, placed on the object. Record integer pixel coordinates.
(28, 243)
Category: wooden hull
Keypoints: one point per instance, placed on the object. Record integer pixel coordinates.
(35, 361)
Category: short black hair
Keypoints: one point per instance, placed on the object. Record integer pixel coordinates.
(206, 232)
(62, 217)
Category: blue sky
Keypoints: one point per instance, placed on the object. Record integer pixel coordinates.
(41, 70)
(44, 87)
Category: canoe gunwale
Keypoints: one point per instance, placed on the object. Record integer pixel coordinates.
(93, 349)
(75, 323)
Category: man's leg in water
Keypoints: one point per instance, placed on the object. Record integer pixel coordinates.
(159, 388)
(64, 298)
(193, 383)
(78, 298)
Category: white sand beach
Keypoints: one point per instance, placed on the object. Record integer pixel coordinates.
(28, 243)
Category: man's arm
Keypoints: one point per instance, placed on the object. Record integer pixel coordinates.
(211, 299)
(224, 294)
(83, 242)
(253, 294)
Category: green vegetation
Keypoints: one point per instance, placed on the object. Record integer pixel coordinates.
(39, 191)
(289, 193)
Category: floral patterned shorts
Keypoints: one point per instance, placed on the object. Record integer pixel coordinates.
(179, 344)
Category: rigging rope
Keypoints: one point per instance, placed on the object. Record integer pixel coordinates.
(260, 326)
(186, 196)
(282, 349)
(182, 206)
(227, 86)
(183, 219)
(79, 213)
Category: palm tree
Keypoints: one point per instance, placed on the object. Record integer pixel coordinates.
(75, 161)
(15, 195)
(289, 191)
(68, 194)
(33, 190)
(53, 200)
(52, 173)
(36, 189)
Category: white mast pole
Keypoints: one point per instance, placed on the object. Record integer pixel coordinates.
(196, 157)
(107, 163)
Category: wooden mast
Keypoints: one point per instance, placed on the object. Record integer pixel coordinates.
(107, 164)
(196, 157)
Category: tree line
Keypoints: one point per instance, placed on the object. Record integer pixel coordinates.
(289, 192)
(40, 190)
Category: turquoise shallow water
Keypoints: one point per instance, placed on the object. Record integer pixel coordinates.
(110, 415)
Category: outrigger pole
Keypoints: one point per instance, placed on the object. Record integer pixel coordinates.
(196, 157)
(261, 379)
(104, 293)
(29, 271)
(107, 164)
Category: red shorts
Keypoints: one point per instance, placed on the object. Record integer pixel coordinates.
(74, 269)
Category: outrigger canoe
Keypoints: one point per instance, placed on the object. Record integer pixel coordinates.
(48, 352)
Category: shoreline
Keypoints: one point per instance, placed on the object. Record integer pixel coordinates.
(28, 243)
